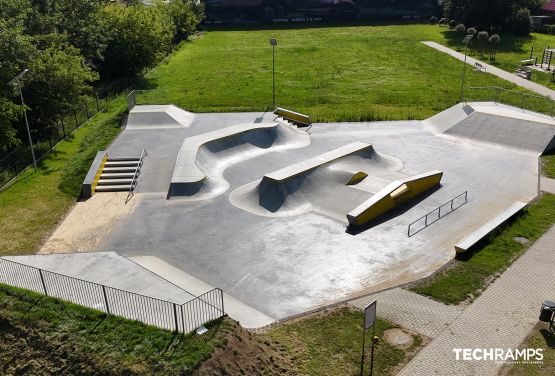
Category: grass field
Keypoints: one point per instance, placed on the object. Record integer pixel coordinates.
(471, 272)
(333, 74)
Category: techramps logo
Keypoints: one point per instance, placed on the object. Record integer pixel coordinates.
(500, 356)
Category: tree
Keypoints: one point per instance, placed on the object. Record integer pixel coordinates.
(57, 78)
(138, 38)
(186, 15)
(460, 28)
(487, 15)
(493, 41)
(16, 50)
(521, 23)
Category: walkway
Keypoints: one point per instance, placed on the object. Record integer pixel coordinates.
(540, 89)
(501, 317)
(412, 311)
(547, 185)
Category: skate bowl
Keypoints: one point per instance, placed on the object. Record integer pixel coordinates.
(202, 159)
(159, 117)
(332, 183)
(498, 125)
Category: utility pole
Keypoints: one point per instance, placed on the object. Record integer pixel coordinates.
(273, 43)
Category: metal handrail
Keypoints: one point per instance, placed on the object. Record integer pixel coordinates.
(216, 309)
(439, 216)
(134, 180)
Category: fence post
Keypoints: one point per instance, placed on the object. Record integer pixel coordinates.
(43, 284)
(175, 317)
(63, 127)
(75, 116)
(105, 299)
(86, 109)
(96, 99)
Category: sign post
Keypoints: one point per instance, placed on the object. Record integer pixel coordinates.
(369, 320)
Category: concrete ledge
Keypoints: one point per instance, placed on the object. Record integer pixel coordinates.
(290, 172)
(94, 174)
(483, 231)
(292, 116)
(394, 194)
(187, 177)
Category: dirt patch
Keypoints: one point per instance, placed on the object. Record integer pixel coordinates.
(398, 338)
(89, 223)
(245, 353)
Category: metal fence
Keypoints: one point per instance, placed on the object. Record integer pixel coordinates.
(436, 214)
(17, 160)
(183, 318)
(537, 103)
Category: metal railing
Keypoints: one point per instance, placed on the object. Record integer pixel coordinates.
(515, 98)
(182, 318)
(135, 175)
(436, 214)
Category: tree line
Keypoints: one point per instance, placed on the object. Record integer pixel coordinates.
(72, 46)
(493, 15)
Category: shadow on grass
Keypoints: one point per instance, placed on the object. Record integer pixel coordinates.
(508, 43)
(549, 337)
(481, 244)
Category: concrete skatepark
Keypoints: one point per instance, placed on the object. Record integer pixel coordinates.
(207, 209)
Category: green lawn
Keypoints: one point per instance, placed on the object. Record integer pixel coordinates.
(32, 207)
(333, 74)
(540, 338)
(549, 165)
(45, 336)
(471, 272)
(330, 344)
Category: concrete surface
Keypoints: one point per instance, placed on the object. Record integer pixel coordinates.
(202, 158)
(109, 269)
(286, 265)
(501, 317)
(247, 316)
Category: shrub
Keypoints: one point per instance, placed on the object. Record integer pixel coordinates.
(452, 24)
(483, 35)
(494, 39)
(460, 28)
(548, 29)
(433, 20)
(521, 23)
(444, 21)
(471, 30)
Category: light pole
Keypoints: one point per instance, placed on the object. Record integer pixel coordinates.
(16, 81)
(466, 40)
(273, 43)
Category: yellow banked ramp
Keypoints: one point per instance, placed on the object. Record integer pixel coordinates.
(393, 195)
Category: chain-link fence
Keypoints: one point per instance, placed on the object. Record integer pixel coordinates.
(16, 160)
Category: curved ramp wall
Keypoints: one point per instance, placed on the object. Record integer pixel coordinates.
(328, 184)
(202, 159)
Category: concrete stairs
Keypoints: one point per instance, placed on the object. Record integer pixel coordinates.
(119, 175)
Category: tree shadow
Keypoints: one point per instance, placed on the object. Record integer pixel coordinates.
(508, 43)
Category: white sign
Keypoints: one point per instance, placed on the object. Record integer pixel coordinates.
(369, 314)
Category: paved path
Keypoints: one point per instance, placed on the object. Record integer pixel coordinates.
(547, 184)
(540, 89)
(412, 311)
(500, 318)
